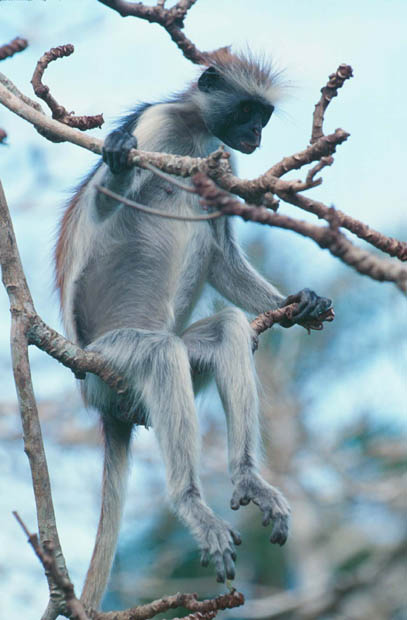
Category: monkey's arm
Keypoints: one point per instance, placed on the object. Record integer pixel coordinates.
(233, 276)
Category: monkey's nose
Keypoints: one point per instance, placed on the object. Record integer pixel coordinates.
(257, 132)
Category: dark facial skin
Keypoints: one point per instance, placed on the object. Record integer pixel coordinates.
(243, 126)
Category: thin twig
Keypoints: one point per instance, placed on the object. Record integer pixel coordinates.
(170, 179)
(151, 211)
(188, 601)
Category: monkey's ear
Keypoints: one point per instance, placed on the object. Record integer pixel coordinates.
(210, 80)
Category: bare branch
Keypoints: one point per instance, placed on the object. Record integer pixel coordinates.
(170, 179)
(21, 304)
(9, 49)
(323, 147)
(151, 211)
(70, 355)
(267, 319)
(15, 91)
(52, 129)
(188, 601)
(42, 91)
(172, 20)
(336, 218)
(336, 80)
(326, 237)
(217, 167)
(46, 555)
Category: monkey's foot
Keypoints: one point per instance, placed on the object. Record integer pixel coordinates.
(217, 540)
(272, 503)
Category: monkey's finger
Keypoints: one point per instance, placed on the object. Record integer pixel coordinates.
(220, 567)
(279, 532)
(106, 155)
(306, 305)
(324, 304)
(130, 143)
(229, 564)
(122, 159)
(235, 502)
(205, 557)
(267, 518)
(237, 539)
(109, 159)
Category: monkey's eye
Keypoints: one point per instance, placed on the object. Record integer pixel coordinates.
(244, 112)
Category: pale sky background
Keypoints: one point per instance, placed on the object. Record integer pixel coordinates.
(118, 62)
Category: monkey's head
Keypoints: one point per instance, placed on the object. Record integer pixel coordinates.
(236, 97)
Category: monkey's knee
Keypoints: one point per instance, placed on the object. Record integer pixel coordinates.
(236, 329)
(127, 352)
(167, 374)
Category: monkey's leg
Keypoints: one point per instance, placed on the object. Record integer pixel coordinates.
(156, 365)
(223, 344)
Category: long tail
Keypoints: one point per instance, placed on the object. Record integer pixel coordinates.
(117, 439)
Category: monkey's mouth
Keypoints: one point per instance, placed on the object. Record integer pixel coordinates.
(247, 147)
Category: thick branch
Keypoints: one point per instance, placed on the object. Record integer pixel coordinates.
(72, 356)
(50, 126)
(21, 304)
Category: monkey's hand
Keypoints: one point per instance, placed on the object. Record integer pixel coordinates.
(311, 308)
(250, 487)
(218, 545)
(116, 149)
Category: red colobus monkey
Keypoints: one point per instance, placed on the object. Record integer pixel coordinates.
(129, 283)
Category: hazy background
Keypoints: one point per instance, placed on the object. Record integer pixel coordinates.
(334, 403)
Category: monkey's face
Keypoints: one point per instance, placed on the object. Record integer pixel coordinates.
(233, 117)
(242, 129)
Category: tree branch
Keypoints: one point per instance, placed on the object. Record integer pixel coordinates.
(336, 81)
(172, 20)
(42, 91)
(46, 554)
(326, 237)
(9, 49)
(189, 601)
(21, 305)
